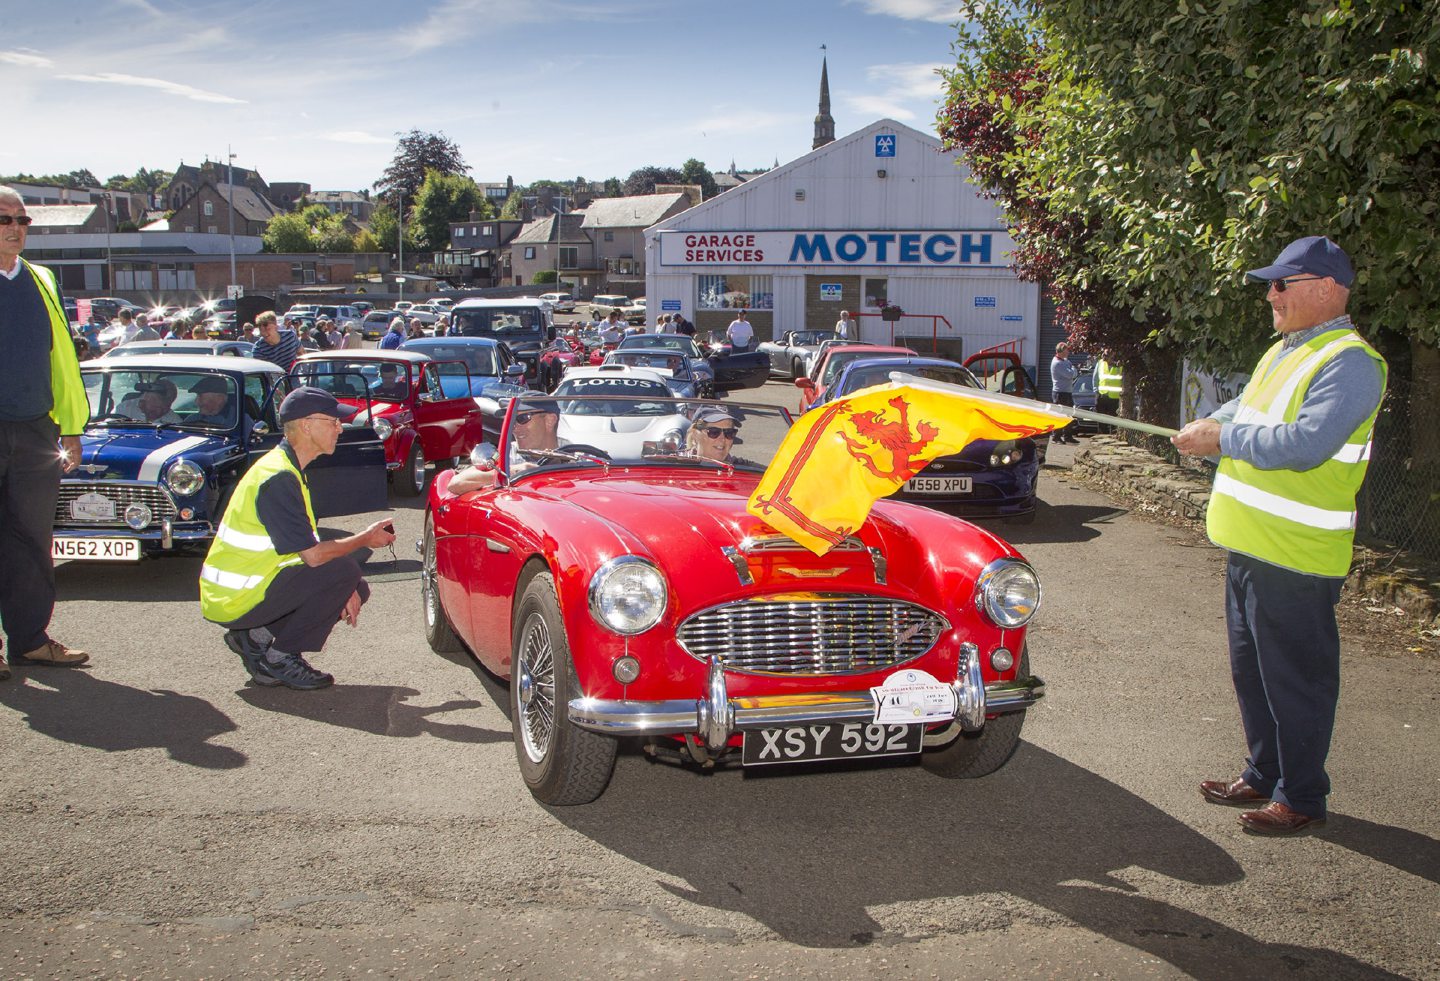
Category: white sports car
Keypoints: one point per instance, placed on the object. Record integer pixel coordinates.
(621, 429)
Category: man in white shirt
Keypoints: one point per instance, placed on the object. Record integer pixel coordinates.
(740, 334)
(845, 327)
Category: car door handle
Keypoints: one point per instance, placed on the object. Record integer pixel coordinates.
(443, 509)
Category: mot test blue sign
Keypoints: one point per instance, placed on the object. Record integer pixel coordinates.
(885, 145)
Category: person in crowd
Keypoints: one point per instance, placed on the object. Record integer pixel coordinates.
(268, 579)
(82, 349)
(279, 347)
(212, 397)
(417, 329)
(662, 325)
(151, 403)
(197, 333)
(126, 320)
(395, 336)
(611, 328)
(682, 326)
(348, 338)
(442, 326)
(143, 330)
(534, 428)
(845, 327)
(42, 406)
(91, 331)
(334, 335)
(1062, 384)
(391, 385)
(740, 334)
(1293, 449)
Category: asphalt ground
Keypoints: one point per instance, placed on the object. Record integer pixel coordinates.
(165, 819)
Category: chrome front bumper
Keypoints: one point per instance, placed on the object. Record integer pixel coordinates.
(166, 534)
(716, 716)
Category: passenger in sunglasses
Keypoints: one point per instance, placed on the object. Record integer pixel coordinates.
(713, 434)
(43, 410)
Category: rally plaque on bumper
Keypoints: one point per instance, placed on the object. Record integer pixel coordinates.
(829, 741)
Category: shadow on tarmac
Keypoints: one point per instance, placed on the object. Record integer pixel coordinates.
(170, 579)
(380, 710)
(1400, 848)
(74, 706)
(804, 855)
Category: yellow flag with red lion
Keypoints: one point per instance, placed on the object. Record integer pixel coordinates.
(841, 457)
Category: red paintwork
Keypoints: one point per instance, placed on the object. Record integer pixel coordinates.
(812, 391)
(572, 522)
(446, 427)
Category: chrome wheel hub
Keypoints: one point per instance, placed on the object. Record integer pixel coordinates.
(535, 688)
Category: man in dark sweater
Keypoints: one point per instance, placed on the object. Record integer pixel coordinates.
(43, 410)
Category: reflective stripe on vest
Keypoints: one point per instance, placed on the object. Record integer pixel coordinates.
(1301, 520)
(1108, 379)
(242, 561)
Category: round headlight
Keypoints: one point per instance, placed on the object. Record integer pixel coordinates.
(137, 516)
(1005, 454)
(1008, 593)
(627, 595)
(185, 478)
(382, 428)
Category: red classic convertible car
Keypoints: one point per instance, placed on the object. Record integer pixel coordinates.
(626, 591)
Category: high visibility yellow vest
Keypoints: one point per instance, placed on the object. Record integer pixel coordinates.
(70, 408)
(242, 561)
(1107, 379)
(1300, 520)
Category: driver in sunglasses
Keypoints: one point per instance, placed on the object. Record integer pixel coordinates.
(713, 434)
(532, 431)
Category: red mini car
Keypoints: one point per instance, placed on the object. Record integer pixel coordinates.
(421, 425)
(827, 369)
(625, 591)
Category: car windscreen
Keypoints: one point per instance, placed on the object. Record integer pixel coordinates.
(480, 359)
(385, 380)
(865, 376)
(812, 336)
(836, 361)
(673, 363)
(496, 321)
(653, 341)
(162, 397)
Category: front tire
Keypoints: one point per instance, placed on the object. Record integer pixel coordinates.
(979, 754)
(410, 479)
(561, 763)
(439, 634)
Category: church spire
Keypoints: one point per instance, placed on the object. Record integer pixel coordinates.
(824, 122)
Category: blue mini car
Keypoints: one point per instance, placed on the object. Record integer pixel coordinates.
(168, 439)
(988, 478)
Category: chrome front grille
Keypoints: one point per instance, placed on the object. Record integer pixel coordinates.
(812, 634)
(123, 492)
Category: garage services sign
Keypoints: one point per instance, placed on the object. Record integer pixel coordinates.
(836, 249)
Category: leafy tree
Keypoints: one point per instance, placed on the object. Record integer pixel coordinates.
(513, 206)
(643, 181)
(544, 276)
(613, 188)
(331, 235)
(366, 242)
(117, 183)
(313, 214)
(415, 155)
(444, 198)
(385, 226)
(694, 171)
(287, 233)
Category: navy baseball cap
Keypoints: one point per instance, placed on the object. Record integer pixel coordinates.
(1314, 255)
(308, 401)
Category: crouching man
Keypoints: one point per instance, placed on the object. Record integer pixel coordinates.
(268, 578)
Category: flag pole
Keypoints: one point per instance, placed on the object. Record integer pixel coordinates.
(947, 388)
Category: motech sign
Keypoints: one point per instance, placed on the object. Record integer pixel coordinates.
(835, 248)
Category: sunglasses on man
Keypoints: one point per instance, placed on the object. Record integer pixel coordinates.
(1281, 285)
(22, 220)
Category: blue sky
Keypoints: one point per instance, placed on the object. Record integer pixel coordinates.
(316, 91)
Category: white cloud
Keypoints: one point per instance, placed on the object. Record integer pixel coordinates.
(935, 11)
(356, 136)
(913, 81)
(876, 107)
(26, 58)
(170, 88)
(738, 120)
(452, 21)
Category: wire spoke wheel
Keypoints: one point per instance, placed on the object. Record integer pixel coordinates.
(535, 668)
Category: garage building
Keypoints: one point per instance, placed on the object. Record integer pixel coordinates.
(882, 217)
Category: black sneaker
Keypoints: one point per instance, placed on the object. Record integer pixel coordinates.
(251, 654)
(293, 672)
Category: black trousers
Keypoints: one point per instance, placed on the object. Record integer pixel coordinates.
(29, 489)
(1285, 662)
(304, 603)
(1066, 435)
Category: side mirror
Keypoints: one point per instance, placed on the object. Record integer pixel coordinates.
(515, 371)
(485, 458)
(489, 406)
(804, 384)
(426, 397)
(260, 429)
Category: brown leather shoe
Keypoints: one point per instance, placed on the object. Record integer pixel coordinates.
(1237, 794)
(1276, 819)
(52, 654)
